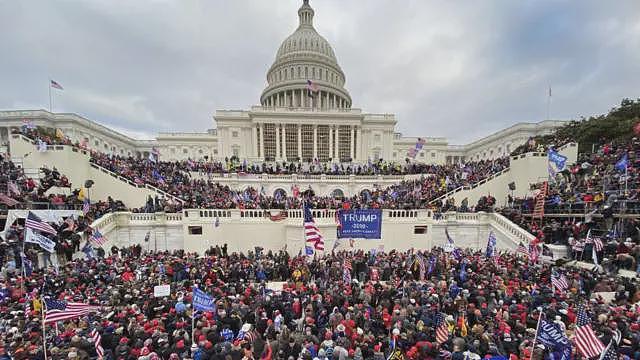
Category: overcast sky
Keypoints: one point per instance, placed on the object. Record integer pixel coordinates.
(460, 69)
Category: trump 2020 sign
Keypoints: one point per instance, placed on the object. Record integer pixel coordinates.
(360, 224)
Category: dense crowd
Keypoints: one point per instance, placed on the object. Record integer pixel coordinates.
(178, 178)
(385, 305)
(597, 189)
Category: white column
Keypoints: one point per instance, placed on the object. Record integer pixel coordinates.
(315, 141)
(254, 136)
(261, 140)
(299, 141)
(278, 142)
(331, 142)
(284, 141)
(352, 155)
(336, 152)
(359, 146)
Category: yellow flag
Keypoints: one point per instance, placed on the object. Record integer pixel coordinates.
(59, 134)
(81, 194)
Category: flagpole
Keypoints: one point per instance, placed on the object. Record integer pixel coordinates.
(548, 102)
(50, 102)
(535, 338)
(44, 334)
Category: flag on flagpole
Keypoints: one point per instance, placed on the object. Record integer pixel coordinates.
(346, 271)
(586, 340)
(13, 188)
(97, 340)
(35, 223)
(311, 232)
(56, 85)
(97, 238)
(59, 134)
(56, 310)
(559, 281)
(442, 330)
(9, 201)
(86, 207)
(522, 249)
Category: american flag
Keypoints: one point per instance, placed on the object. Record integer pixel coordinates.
(97, 339)
(35, 223)
(86, 207)
(346, 272)
(596, 240)
(55, 85)
(534, 252)
(611, 353)
(522, 249)
(311, 232)
(97, 238)
(586, 340)
(312, 87)
(59, 310)
(442, 330)
(9, 201)
(13, 188)
(559, 281)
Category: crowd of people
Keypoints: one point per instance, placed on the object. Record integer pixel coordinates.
(381, 305)
(597, 189)
(177, 178)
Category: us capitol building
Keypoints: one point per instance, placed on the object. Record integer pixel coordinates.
(305, 113)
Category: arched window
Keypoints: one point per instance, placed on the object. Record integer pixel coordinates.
(337, 194)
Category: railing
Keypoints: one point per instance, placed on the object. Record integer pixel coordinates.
(321, 214)
(472, 186)
(520, 234)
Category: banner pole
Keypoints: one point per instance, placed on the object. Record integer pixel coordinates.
(535, 338)
(44, 334)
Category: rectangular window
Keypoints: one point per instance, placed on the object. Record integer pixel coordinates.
(195, 230)
(420, 229)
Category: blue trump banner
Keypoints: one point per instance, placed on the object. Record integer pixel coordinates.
(203, 301)
(360, 224)
(555, 341)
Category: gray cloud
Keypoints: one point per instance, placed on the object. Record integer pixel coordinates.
(457, 69)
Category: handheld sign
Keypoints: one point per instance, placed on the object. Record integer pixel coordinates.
(161, 290)
(360, 223)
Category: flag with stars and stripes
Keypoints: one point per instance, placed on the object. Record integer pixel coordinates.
(35, 223)
(86, 207)
(97, 238)
(56, 310)
(442, 330)
(346, 270)
(522, 249)
(595, 240)
(586, 340)
(311, 232)
(559, 281)
(97, 339)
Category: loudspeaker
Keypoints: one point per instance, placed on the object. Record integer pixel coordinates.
(512, 186)
(88, 184)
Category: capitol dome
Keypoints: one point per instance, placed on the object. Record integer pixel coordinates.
(305, 73)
